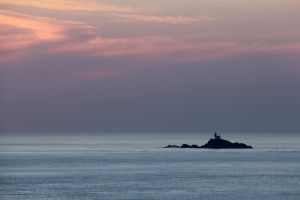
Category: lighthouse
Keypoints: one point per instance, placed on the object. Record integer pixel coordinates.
(217, 137)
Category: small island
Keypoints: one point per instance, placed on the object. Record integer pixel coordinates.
(215, 143)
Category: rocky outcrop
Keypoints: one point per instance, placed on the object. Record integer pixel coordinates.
(216, 143)
(224, 144)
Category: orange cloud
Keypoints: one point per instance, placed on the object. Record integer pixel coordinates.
(40, 28)
(116, 13)
(14, 41)
(69, 5)
(21, 31)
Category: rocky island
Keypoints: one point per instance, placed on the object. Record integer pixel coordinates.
(215, 143)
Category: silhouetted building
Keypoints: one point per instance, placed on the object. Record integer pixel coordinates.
(217, 137)
(215, 143)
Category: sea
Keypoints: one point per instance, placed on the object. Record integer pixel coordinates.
(79, 166)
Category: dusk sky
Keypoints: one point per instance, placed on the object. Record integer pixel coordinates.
(150, 65)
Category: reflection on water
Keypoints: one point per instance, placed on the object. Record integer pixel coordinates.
(135, 167)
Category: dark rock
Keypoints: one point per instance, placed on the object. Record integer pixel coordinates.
(172, 146)
(185, 146)
(215, 143)
(224, 144)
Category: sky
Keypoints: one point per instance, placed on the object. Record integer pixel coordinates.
(150, 65)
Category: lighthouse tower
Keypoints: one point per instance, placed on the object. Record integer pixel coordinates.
(217, 137)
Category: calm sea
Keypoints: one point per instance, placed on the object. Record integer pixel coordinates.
(133, 166)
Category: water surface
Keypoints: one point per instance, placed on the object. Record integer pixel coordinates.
(121, 167)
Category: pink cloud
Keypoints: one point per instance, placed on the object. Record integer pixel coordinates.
(183, 50)
(70, 5)
(21, 31)
(29, 31)
(117, 13)
(111, 47)
(161, 19)
(39, 28)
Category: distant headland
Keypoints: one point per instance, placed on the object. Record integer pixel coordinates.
(215, 143)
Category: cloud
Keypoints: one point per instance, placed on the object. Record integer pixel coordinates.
(38, 27)
(161, 19)
(23, 34)
(172, 49)
(69, 5)
(21, 31)
(117, 13)
(114, 47)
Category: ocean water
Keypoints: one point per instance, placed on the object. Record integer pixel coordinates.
(129, 167)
